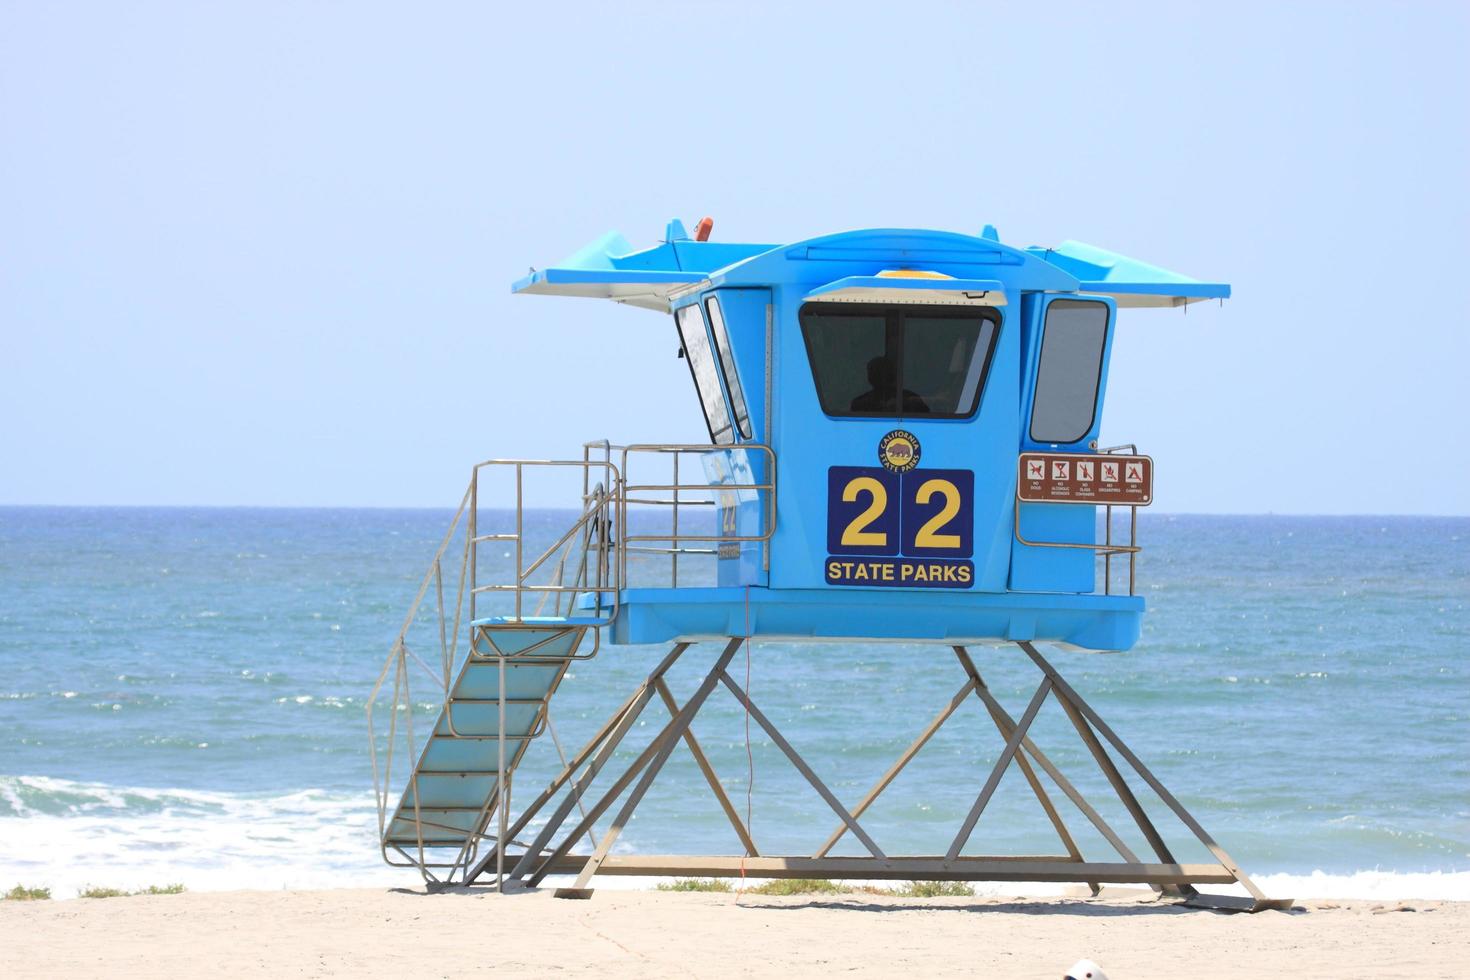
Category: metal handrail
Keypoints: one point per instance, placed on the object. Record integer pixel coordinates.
(590, 559)
(594, 522)
(601, 562)
(1107, 549)
(677, 487)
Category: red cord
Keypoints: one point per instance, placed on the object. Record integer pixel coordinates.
(749, 756)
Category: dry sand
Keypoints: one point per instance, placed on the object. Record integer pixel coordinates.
(374, 933)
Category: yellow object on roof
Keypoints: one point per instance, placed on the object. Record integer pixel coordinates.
(911, 274)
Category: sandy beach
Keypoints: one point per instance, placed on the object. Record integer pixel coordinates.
(378, 933)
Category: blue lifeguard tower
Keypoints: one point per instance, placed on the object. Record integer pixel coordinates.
(903, 446)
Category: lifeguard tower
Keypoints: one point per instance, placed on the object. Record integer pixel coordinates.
(903, 447)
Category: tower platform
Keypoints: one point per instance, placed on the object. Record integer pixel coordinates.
(1093, 622)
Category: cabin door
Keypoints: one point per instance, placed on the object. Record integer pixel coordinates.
(1062, 400)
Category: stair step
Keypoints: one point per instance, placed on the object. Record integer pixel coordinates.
(446, 754)
(442, 826)
(509, 640)
(482, 680)
(457, 771)
(477, 718)
(449, 789)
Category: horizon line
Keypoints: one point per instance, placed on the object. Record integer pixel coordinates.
(449, 508)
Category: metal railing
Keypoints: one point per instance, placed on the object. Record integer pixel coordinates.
(584, 547)
(587, 567)
(399, 663)
(726, 496)
(1107, 549)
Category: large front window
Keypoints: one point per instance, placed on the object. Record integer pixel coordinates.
(899, 361)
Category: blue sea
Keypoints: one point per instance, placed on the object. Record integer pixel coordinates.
(183, 693)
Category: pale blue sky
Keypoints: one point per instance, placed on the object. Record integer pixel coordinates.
(260, 254)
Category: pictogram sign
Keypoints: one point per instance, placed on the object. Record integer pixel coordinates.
(1073, 478)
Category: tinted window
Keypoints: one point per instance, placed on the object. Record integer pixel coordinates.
(899, 361)
(840, 347)
(702, 367)
(727, 365)
(943, 360)
(1069, 370)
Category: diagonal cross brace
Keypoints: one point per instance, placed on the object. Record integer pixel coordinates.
(800, 763)
(603, 743)
(898, 766)
(1066, 692)
(1003, 717)
(998, 770)
(653, 758)
(709, 773)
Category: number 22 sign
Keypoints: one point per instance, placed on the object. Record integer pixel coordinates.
(916, 528)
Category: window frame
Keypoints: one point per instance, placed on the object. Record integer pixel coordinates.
(894, 315)
(730, 428)
(1102, 361)
(737, 405)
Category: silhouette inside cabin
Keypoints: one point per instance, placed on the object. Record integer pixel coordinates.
(883, 393)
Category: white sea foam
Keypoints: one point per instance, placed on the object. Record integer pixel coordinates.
(1381, 885)
(132, 837)
(67, 835)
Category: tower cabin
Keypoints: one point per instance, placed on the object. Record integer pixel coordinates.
(868, 396)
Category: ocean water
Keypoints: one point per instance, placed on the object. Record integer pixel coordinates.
(183, 694)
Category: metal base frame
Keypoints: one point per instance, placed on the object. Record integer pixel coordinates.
(550, 852)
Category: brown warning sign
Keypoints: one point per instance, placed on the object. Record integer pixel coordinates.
(1085, 478)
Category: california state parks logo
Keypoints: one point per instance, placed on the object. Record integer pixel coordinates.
(899, 451)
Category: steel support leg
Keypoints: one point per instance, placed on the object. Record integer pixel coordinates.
(604, 743)
(998, 711)
(1069, 695)
(1032, 780)
(653, 758)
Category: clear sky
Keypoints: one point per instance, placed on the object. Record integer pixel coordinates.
(261, 254)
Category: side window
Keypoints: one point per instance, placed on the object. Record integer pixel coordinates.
(1069, 370)
(727, 365)
(702, 369)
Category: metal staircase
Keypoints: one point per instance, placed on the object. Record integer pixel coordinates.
(494, 691)
(496, 706)
(444, 795)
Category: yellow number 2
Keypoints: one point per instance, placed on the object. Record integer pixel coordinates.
(855, 534)
(927, 536)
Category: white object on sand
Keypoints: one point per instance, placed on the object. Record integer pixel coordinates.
(1085, 970)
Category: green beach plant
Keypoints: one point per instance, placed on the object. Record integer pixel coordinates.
(823, 886)
(20, 893)
(96, 891)
(694, 885)
(936, 889)
(801, 886)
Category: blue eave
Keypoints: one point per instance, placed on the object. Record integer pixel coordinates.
(610, 268)
(1130, 281)
(561, 276)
